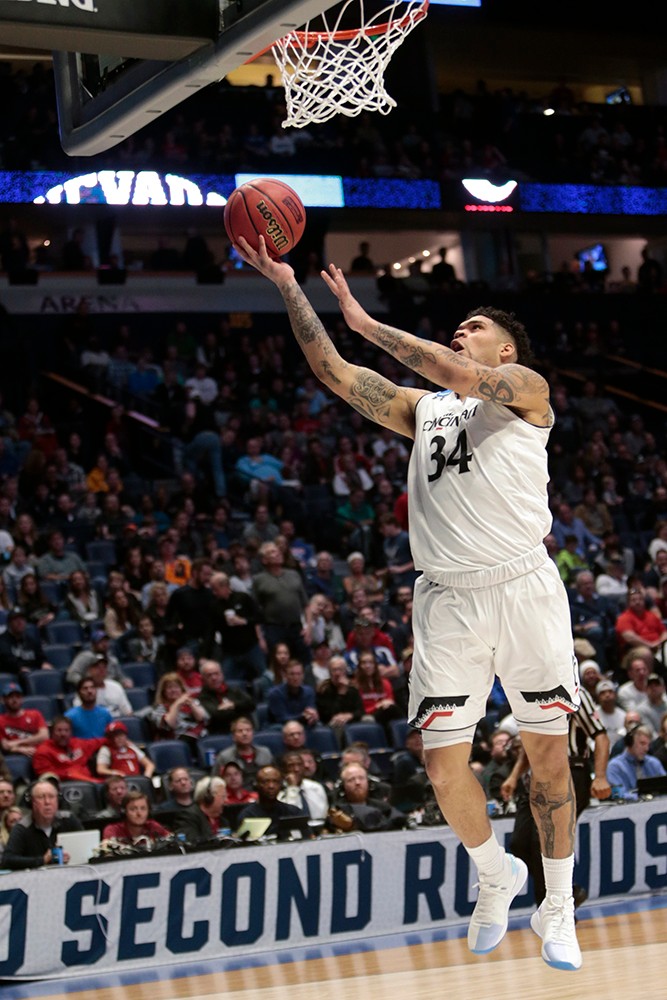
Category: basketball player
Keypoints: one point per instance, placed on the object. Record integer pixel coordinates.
(489, 600)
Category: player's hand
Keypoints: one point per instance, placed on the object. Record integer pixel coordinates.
(276, 271)
(353, 314)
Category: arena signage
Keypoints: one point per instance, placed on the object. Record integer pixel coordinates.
(149, 912)
(139, 29)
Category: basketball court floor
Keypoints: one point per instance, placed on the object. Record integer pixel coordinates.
(625, 958)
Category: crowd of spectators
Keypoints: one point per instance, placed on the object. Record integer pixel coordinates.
(493, 133)
(246, 612)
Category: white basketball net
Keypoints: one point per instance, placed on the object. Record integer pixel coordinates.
(333, 71)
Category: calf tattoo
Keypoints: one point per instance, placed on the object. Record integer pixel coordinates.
(544, 804)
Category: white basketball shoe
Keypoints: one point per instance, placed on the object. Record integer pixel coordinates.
(488, 923)
(553, 921)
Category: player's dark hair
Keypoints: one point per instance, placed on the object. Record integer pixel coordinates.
(516, 330)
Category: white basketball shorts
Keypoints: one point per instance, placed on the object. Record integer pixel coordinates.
(518, 629)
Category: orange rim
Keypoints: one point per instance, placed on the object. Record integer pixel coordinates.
(309, 38)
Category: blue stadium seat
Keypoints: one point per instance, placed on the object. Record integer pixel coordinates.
(138, 698)
(215, 743)
(371, 733)
(96, 570)
(65, 633)
(19, 767)
(45, 682)
(52, 591)
(262, 714)
(322, 739)
(272, 739)
(141, 674)
(398, 729)
(49, 707)
(102, 551)
(166, 754)
(59, 654)
(137, 730)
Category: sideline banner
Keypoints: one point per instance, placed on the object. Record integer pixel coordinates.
(148, 912)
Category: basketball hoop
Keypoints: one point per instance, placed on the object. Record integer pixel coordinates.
(341, 71)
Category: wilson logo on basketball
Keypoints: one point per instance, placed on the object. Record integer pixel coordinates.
(273, 228)
(294, 208)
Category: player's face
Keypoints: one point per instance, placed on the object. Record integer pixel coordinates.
(479, 339)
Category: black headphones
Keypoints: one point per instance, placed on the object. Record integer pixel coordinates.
(629, 737)
(208, 798)
(27, 795)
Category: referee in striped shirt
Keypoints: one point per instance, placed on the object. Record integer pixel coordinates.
(589, 778)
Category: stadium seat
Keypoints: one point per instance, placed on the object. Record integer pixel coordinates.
(45, 682)
(262, 714)
(58, 654)
(166, 754)
(65, 633)
(80, 796)
(8, 679)
(96, 570)
(215, 743)
(49, 707)
(398, 729)
(137, 729)
(141, 674)
(139, 783)
(52, 591)
(102, 551)
(371, 733)
(272, 739)
(138, 698)
(20, 767)
(322, 739)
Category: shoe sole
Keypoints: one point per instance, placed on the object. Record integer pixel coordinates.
(520, 879)
(535, 926)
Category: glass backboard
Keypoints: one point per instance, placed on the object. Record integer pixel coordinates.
(104, 98)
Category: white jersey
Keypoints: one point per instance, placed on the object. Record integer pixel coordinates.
(477, 483)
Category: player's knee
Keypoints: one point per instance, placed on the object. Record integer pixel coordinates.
(549, 766)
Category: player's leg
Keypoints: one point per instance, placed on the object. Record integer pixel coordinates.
(537, 670)
(553, 804)
(463, 804)
(450, 681)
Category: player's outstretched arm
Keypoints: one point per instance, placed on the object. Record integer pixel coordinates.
(372, 395)
(510, 385)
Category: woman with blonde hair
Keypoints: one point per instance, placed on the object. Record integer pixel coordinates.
(176, 714)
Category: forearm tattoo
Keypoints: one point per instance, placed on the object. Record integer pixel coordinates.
(307, 327)
(330, 374)
(544, 804)
(396, 343)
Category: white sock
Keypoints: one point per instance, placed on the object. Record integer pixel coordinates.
(558, 874)
(489, 857)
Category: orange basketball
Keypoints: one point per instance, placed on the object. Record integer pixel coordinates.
(269, 208)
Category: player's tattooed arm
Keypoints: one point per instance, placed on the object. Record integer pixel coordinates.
(372, 395)
(510, 385)
(411, 351)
